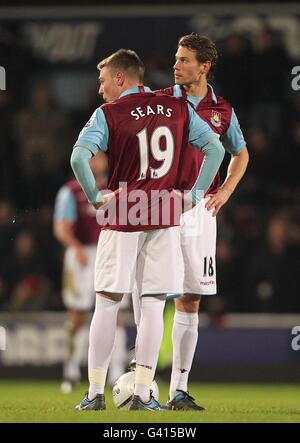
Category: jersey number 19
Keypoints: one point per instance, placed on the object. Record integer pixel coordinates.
(166, 155)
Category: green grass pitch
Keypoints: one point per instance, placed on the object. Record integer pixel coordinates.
(38, 402)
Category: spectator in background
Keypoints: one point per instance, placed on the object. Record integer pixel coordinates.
(42, 134)
(3, 293)
(7, 230)
(290, 169)
(42, 224)
(233, 76)
(272, 283)
(230, 276)
(38, 226)
(289, 147)
(31, 293)
(25, 275)
(269, 67)
(263, 165)
(8, 152)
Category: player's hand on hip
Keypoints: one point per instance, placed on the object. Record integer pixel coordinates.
(216, 201)
(106, 199)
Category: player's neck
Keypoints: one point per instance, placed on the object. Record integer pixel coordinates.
(197, 89)
(129, 85)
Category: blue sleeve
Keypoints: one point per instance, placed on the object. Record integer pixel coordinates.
(80, 164)
(199, 132)
(203, 138)
(233, 140)
(94, 135)
(65, 206)
(214, 153)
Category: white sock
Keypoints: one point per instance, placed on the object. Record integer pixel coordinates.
(184, 338)
(101, 342)
(118, 357)
(149, 337)
(143, 379)
(136, 304)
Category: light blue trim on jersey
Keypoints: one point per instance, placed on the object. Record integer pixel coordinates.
(194, 100)
(134, 91)
(214, 154)
(95, 134)
(213, 95)
(177, 92)
(199, 131)
(202, 137)
(80, 164)
(65, 206)
(233, 140)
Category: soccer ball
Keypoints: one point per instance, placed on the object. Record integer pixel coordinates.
(123, 388)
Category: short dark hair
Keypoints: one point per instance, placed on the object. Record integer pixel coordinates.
(204, 47)
(127, 60)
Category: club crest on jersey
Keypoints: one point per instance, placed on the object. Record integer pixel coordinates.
(216, 118)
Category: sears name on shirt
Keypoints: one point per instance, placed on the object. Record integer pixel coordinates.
(139, 112)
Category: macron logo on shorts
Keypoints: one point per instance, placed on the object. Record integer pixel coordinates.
(207, 283)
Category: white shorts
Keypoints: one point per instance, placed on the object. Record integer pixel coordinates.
(152, 258)
(78, 281)
(198, 244)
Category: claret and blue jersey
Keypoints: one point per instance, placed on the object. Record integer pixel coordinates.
(220, 116)
(72, 206)
(96, 133)
(143, 134)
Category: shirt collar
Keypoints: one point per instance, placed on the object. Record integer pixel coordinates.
(210, 93)
(213, 95)
(134, 91)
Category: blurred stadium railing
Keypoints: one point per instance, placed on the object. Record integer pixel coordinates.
(246, 348)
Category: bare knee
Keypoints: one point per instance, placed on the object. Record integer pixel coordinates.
(187, 303)
(110, 295)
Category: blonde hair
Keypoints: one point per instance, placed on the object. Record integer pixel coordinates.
(125, 60)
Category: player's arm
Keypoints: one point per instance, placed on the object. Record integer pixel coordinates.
(64, 234)
(235, 144)
(204, 139)
(65, 215)
(93, 137)
(80, 159)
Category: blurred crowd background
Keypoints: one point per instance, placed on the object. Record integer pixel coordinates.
(45, 106)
